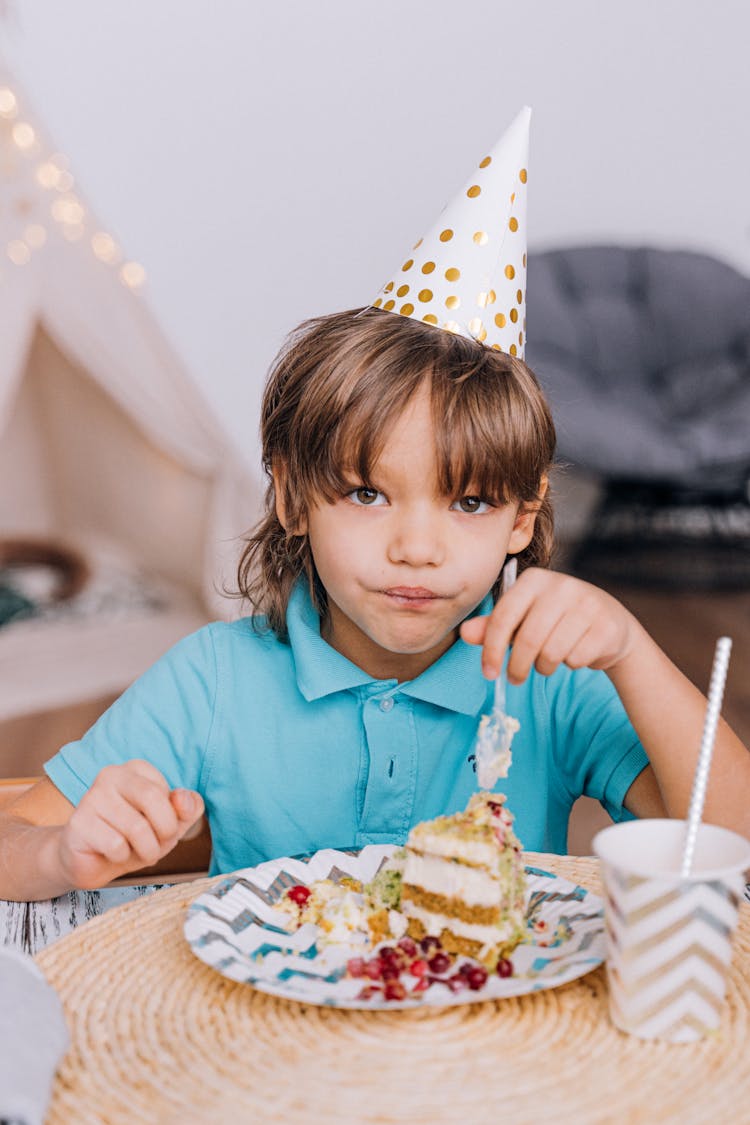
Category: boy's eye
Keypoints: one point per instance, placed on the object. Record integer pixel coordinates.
(471, 505)
(366, 497)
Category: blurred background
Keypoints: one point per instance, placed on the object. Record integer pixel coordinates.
(182, 182)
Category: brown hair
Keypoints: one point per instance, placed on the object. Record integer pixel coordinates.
(330, 400)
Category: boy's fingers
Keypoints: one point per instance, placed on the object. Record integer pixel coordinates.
(473, 630)
(503, 622)
(100, 838)
(495, 630)
(187, 804)
(561, 644)
(585, 652)
(148, 771)
(137, 831)
(532, 637)
(136, 793)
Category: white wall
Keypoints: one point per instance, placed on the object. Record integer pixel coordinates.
(269, 161)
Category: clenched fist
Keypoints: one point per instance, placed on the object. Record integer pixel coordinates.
(128, 819)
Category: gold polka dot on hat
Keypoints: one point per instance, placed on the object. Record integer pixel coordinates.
(476, 248)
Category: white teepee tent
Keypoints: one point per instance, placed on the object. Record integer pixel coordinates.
(105, 444)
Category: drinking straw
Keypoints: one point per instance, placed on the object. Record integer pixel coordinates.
(700, 780)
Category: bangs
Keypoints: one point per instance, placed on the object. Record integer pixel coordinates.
(493, 438)
(493, 431)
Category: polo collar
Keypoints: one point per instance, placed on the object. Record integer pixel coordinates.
(454, 682)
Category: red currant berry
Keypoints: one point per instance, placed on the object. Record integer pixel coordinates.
(440, 963)
(477, 978)
(299, 894)
(374, 968)
(504, 967)
(409, 947)
(456, 982)
(430, 944)
(368, 992)
(418, 968)
(391, 972)
(394, 990)
(355, 966)
(466, 968)
(387, 954)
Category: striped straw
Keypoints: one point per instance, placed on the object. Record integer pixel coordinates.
(700, 780)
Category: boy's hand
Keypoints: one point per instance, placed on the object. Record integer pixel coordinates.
(128, 819)
(552, 619)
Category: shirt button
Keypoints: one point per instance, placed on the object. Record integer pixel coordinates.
(386, 704)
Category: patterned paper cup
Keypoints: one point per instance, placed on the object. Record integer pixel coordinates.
(668, 938)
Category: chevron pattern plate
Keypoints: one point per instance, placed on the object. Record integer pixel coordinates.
(234, 929)
(669, 946)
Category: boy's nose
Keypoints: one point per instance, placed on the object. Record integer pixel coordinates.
(418, 541)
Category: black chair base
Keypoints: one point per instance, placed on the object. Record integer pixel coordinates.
(664, 538)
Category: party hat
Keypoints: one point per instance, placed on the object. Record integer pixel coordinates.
(468, 273)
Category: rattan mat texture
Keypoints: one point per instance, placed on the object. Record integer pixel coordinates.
(158, 1036)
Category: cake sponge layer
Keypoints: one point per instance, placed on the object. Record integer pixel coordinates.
(464, 880)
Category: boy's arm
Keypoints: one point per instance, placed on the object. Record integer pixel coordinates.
(644, 798)
(128, 819)
(554, 619)
(668, 713)
(29, 843)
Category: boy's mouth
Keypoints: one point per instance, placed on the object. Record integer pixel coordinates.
(412, 595)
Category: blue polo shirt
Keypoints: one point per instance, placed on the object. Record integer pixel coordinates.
(294, 748)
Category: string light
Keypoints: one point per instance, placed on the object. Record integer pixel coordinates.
(8, 104)
(23, 135)
(68, 210)
(51, 173)
(133, 275)
(18, 252)
(48, 174)
(105, 248)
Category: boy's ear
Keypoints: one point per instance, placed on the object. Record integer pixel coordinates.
(523, 528)
(280, 481)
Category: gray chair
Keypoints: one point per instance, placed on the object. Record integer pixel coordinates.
(645, 356)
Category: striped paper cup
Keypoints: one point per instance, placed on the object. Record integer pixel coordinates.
(669, 939)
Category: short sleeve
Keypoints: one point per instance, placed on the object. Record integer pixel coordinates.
(597, 750)
(165, 717)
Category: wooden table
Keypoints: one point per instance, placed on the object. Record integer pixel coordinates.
(158, 1036)
(30, 926)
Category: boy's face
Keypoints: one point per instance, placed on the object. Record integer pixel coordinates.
(402, 565)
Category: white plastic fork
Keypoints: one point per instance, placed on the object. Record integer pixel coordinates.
(496, 730)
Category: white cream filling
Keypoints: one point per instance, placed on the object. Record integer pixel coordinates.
(474, 885)
(474, 931)
(445, 844)
(397, 923)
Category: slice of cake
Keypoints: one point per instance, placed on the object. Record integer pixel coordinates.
(464, 881)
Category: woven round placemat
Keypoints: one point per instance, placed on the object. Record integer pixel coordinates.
(158, 1036)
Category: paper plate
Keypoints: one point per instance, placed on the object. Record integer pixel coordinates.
(234, 929)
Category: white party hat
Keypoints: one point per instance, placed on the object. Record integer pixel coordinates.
(468, 273)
